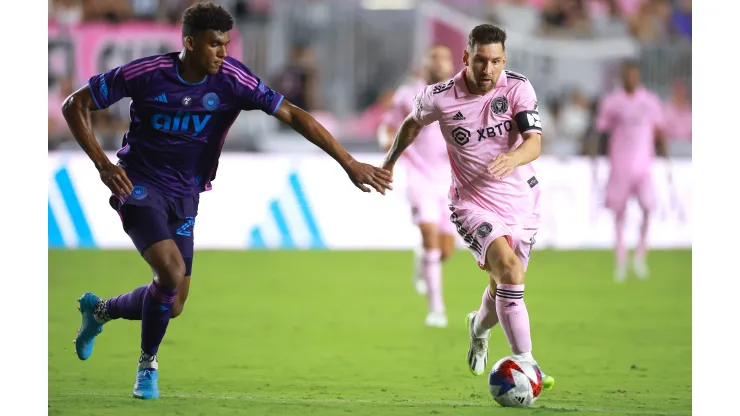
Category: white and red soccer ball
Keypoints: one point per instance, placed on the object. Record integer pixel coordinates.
(514, 382)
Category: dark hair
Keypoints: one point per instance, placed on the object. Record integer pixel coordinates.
(630, 64)
(486, 34)
(204, 16)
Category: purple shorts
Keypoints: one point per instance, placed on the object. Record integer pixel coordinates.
(149, 217)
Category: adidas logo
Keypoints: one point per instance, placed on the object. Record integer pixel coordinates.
(458, 116)
(162, 98)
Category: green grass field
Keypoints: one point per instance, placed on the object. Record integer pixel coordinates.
(336, 333)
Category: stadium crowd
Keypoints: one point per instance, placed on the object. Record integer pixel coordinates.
(569, 114)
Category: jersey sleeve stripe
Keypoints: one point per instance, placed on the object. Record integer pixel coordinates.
(135, 74)
(240, 74)
(516, 76)
(241, 80)
(278, 105)
(133, 67)
(93, 95)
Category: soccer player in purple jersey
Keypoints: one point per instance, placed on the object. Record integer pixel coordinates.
(182, 106)
(489, 120)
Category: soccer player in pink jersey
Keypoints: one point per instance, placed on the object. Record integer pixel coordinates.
(428, 170)
(489, 120)
(632, 116)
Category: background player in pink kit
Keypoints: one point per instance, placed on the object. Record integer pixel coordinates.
(428, 169)
(490, 122)
(632, 117)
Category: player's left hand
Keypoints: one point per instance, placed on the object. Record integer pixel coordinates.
(502, 165)
(363, 174)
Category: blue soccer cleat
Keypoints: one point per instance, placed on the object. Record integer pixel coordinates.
(146, 384)
(90, 328)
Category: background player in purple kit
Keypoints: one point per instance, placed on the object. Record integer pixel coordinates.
(182, 106)
(427, 167)
(632, 117)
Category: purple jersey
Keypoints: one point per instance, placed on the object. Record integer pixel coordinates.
(177, 129)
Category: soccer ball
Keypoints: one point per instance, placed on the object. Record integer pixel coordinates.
(514, 382)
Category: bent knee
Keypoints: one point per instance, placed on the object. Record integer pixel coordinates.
(512, 271)
(504, 266)
(171, 274)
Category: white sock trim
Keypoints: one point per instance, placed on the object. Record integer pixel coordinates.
(148, 361)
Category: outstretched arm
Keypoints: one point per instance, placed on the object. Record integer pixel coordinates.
(77, 110)
(361, 174)
(405, 135)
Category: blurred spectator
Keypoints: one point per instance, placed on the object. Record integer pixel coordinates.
(66, 12)
(550, 116)
(574, 119)
(566, 18)
(651, 24)
(109, 10)
(145, 9)
(567, 129)
(58, 130)
(522, 14)
(171, 10)
(298, 80)
(607, 18)
(682, 18)
(678, 114)
(629, 8)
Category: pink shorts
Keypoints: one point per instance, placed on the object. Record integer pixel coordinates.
(621, 187)
(429, 202)
(479, 227)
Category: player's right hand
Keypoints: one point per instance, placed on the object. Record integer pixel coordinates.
(363, 174)
(114, 177)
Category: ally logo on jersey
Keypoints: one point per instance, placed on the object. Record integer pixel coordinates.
(181, 122)
(184, 122)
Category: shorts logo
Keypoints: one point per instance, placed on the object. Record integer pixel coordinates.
(461, 135)
(499, 105)
(484, 230)
(184, 230)
(210, 101)
(186, 101)
(469, 238)
(139, 192)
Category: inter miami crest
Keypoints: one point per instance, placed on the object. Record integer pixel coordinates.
(499, 105)
(484, 230)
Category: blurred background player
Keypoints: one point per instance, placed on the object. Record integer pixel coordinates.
(490, 121)
(632, 117)
(427, 168)
(183, 104)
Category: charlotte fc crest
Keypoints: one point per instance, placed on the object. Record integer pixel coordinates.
(499, 105)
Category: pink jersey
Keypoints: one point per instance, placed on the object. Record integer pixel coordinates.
(478, 128)
(427, 155)
(631, 121)
(677, 122)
